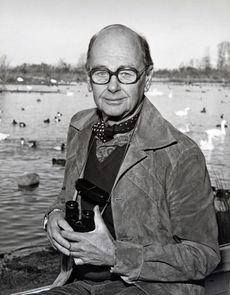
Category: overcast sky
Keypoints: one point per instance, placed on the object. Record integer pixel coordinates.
(35, 31)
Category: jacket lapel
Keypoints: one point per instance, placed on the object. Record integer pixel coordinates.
(80, 140)
(151, 133)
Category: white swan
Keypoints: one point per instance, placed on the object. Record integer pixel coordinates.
(217, 132)
(155, 92)
(185, 129)
(170, 95)
(3, 136)
(183, 113)
(207, 144)
(20, 79)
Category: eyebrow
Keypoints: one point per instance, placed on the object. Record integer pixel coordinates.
(120, 66)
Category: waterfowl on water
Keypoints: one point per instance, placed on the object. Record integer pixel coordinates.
(60, 162)
(29, 143)
(218, 132)
(57, 119)
(183, 112)
(203, 110)
(32, 143)
(22, 124)
(207, 144)
(60, 147)
(185, 129)
(47, 121)
(3, 136)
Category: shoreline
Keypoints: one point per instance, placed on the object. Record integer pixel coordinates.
(28, 268)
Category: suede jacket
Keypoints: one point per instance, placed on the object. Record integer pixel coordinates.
(162, 204)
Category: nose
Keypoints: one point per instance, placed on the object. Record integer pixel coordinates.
(113, 85)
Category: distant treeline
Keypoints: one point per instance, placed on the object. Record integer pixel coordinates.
(196, 70)
(45, 73)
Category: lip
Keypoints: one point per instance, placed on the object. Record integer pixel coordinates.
(114, 100)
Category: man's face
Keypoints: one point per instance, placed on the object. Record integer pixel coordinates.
(113, 50)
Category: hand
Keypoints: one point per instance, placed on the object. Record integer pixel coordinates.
(56, 223)
(95, 247)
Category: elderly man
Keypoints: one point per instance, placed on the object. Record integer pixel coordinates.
(156, 233)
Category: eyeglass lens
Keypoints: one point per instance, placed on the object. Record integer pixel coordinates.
(123, 75)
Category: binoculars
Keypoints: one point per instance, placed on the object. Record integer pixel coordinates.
(84, 221)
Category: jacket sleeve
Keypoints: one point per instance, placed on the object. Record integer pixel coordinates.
(194, 252)
(59, 202)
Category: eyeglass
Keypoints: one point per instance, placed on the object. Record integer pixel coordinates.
(124, 75)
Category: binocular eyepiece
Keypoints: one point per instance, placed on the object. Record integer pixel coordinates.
(79, 222)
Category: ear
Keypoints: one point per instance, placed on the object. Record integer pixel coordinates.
(89, 85)
(148, 78)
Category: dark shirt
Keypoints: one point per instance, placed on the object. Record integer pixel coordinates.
(102, 174)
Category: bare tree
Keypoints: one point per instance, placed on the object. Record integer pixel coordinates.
(81, 61)
(4, 68)
(206, 61)
(223, 61)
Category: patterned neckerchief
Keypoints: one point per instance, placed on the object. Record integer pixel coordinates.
(104, 149)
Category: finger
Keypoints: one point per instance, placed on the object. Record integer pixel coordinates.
(61, 240)
(78, 261)
(98, 220)
(61, 249)
(72, 236)
(65, 225)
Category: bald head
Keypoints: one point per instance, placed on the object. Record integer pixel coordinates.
(119, 35)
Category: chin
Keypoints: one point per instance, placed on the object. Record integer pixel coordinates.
(113, 112)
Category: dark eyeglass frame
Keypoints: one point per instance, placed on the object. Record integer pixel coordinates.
(111, 73)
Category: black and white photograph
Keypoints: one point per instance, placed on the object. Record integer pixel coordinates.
(114, 147)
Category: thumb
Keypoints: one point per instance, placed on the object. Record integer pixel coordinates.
(98, 220)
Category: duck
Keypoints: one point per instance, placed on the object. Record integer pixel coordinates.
(47, 121)
(218, 132)
(219, 125)
(32, 143)
(183, 112)
(60, 147)
(203, 110)
(22, 124)
(207, 144)
(60, 162)
(3, 136)
(14, 122)
(57, 119)
(29, 143)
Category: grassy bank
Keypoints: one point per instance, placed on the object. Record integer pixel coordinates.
(27, 269)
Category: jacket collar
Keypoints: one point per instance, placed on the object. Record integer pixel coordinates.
(84, 119)
(152, 130)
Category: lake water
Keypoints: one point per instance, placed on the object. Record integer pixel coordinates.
(22, 211)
